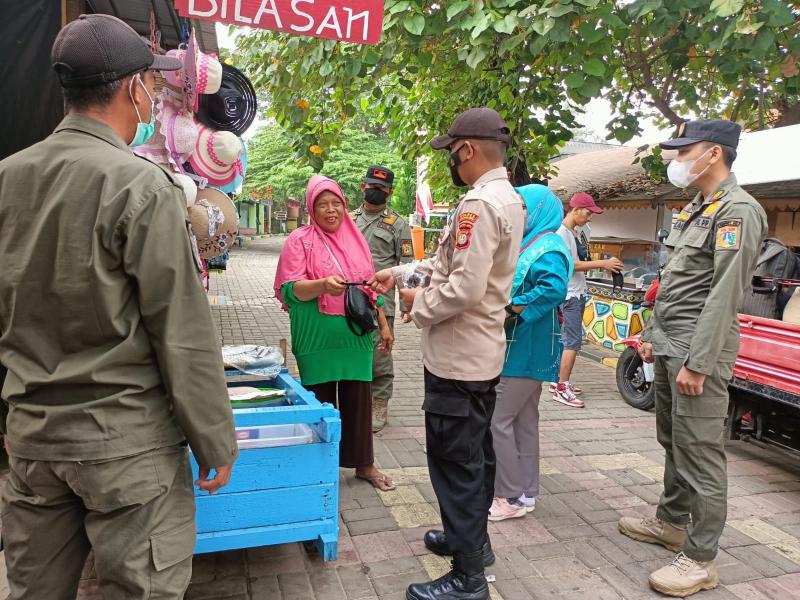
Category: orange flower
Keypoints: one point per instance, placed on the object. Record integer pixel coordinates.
(303, 104)
(316, 150)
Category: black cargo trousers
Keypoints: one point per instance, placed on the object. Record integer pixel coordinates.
(461, 461)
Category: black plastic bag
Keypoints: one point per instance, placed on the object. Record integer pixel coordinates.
(361, 317)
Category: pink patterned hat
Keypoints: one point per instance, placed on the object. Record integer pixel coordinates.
(180, 133)
(217, 156)
(201, 73)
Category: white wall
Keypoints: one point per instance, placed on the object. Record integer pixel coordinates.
(637, 223)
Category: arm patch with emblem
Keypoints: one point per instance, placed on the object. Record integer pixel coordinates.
(406, 248)
(728, 234)
(466, 221)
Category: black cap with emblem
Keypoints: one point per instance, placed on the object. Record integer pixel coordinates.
(716, 131)
(98, 49)
(380, 176)
(475, 124)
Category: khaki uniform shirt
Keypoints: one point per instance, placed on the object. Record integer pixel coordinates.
(105, 329)
(714, 245)
(389, 241)
(462, 310)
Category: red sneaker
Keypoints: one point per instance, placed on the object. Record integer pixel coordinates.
(566, 396)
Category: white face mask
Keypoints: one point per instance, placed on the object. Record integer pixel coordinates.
(679, 173)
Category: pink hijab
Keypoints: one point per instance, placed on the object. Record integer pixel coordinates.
(305, 256)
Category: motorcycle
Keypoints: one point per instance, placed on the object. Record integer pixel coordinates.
(634, 376)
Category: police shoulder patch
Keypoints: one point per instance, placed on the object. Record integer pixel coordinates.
(390, 219)
(728, 234)
(406, 248)
(466, 221)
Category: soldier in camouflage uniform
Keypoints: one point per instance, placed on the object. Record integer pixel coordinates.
(389, 240)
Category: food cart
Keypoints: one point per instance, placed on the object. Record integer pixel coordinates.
(614, 313)
(285, 484)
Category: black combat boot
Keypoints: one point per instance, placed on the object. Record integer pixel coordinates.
(436, 542)
(465, 582)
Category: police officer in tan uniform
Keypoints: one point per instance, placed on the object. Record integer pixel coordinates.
(693, 338)
(461, 314)
(389, 240)
(112, 356)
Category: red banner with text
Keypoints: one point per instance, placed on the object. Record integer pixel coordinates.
(357, 21)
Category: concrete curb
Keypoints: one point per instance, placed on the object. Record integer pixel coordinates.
(607, 361)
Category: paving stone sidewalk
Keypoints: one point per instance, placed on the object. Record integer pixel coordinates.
(597, 464)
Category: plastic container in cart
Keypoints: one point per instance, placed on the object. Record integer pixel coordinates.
(284, 486)
(269, 436)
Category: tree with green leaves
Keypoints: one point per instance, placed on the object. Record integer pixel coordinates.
(537, 63)
(271, 162)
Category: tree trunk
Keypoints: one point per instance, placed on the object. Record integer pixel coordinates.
(518, 172)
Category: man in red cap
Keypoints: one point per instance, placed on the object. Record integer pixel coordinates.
(582, 207)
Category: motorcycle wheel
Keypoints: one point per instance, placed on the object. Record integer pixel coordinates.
(631, 382)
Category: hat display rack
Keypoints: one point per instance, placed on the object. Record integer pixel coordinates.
(201, 112)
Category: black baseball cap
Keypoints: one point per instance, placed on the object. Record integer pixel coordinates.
(475, 124)
(716, 131)
(380, 176)
(97, 49)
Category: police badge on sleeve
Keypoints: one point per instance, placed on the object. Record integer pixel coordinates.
(466, 221)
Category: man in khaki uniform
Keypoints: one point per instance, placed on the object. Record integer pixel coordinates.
(693, 338)
(389, 240)
(461, 314)
(113, 362)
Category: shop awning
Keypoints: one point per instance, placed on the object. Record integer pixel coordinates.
(136, 13)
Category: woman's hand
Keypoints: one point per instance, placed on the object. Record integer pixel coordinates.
(333, 285)
(387, 340)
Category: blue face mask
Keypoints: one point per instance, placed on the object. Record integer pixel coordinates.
(144, 131)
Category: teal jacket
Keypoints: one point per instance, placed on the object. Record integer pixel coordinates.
(540, 284)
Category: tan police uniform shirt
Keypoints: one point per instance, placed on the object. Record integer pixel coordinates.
(105, 328)
(389, 241)
(462, 310)
(714, 245)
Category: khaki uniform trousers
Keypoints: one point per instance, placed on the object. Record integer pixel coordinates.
(136, 513)
(382, 368)
(691, 430)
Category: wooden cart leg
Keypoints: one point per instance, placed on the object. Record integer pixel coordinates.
(328, 546)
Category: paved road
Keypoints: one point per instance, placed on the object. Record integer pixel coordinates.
(597, 463)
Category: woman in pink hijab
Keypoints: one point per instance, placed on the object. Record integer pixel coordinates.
(334, 362)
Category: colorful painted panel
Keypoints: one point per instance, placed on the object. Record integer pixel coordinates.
(608, 321)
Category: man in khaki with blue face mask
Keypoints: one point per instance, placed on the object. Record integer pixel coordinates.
(112, 356)
(693, 338)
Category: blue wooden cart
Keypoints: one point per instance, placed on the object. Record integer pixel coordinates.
(279, 494)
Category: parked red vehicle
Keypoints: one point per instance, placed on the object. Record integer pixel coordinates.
(764, 391)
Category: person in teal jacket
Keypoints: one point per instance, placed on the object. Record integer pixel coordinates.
(533, 353)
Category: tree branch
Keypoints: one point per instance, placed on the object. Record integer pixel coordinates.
(658, 101)
(674, 30)
(740, 100)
